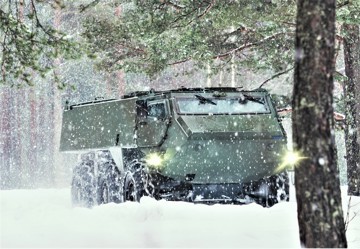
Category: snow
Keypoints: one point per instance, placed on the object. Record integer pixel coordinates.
(46, 218)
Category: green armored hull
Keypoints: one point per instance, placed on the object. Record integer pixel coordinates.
(210, 145)
(98, 125)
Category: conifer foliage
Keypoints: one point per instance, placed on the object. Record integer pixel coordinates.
(29, 44)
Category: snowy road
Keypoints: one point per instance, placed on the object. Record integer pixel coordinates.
(45, 218)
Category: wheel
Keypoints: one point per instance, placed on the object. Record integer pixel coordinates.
(76, 195)
(109, 186)
(275, 189)
(282, 186)
(264, 189)
(103, 194)
(83, 185)
(134, 186)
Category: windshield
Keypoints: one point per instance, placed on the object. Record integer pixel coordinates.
(234, 105)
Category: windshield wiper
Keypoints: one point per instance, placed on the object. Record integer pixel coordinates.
(204, 100)
(244, 98)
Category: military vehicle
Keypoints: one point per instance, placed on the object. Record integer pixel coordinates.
(201, 145)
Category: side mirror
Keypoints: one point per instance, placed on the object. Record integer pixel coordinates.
(142, 121)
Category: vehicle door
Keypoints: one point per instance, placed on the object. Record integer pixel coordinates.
(153, 120)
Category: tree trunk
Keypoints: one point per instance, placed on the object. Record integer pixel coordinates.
(352, 105)
(57, 158)
(6, 137)
(318, 195)
(120, 75)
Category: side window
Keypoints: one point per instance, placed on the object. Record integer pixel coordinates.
(156, 110)
(141, 109)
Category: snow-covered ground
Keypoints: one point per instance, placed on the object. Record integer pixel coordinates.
(45, 218)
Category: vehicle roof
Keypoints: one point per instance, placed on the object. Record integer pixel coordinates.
(182, 90)
(153, 92)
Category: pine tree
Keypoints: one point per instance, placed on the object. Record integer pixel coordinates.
(352, 95)
(318, 195)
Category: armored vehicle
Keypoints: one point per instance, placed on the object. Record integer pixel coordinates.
(202, 145)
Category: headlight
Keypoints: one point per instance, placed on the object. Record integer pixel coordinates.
(159, 159)
(290, 160)
(154, 160)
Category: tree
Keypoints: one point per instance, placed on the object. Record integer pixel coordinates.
(352, 95)
(25, 158)
(320, 214)
(30, 110)
(28, 44)
(348, 16)
(150, 36)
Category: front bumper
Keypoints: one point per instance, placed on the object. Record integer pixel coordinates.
(225, 193)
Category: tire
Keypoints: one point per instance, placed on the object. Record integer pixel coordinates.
(83, 190)
(103, 194)
(76, 193)
(275, 188)
(109, 187)
(282, 184)
(134, 186)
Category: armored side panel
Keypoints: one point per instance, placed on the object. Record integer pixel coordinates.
(98, 125)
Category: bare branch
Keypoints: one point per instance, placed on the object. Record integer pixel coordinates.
(38, 23)
(342, 4)
(179, 62)
(275, 76)
(347, 220)
(208, 8)
(340, 74)
(82, 7)
(248, 45)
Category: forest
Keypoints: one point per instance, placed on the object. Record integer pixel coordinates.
(306, 53)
